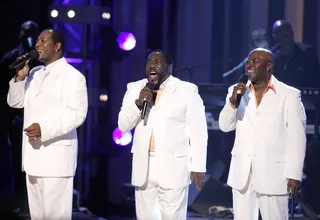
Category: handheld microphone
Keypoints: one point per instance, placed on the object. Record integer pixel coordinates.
(30, 56)
(152, 87)
(243, 79)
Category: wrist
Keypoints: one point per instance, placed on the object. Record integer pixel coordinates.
(19, 78)
(232, 102)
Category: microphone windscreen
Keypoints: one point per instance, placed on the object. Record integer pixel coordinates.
(33, 54)
(152, 86)
(244, 78)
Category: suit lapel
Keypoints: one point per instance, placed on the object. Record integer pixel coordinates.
(50, 77)
(268, 97)
(169, 89)
(47, 82)
(266, 100)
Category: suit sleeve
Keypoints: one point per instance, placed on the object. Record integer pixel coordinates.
(75, 107)
(227, 117)
(129, 113)
(15, 97)
(296, 125)
(198, 133)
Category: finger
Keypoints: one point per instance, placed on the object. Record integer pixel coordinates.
(33, 135)
(294, 191)
(30, 130)
(198, 184)
(191, 177)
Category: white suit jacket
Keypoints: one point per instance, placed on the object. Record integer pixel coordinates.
(180, 133)
(59, 104)
(269, 139)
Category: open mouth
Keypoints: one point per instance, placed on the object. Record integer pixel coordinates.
(153, 75)
(250, 72)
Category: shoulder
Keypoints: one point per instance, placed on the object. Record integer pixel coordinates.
(184, 85)
(70, 71)
(303, 46)
(137, 84)
(288, 90)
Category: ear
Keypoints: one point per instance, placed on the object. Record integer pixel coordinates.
(170, 68)
(269, 66)
(57, 47)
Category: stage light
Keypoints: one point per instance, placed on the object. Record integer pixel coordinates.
(103, 97)
(120, 138)
(71, 13)
(82, 14)
(106, 15)
(54, 13)
(126, 41)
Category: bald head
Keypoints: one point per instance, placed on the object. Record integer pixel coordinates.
(283, 25)
(282, 32)
(265, 54)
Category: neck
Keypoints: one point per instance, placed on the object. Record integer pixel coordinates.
(261, 85)
(164, 79)
(52, 60)
(287, 49)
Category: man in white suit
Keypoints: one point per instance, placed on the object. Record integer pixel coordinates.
(269, 149)
(54, 98)
(168, 143)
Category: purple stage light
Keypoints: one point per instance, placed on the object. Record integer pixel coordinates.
(126, 41)
(121, 138)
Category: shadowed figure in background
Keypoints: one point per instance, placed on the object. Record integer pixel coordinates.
(12, 128)
(259, 39)
(295, 63)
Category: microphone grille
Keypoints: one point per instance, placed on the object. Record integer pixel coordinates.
(244, 78)
(152, 86)
(33, 54)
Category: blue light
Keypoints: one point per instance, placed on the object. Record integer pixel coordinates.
(126, 41)
(120, 138)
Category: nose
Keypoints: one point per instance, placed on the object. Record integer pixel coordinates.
(37, 44)
(248, 65)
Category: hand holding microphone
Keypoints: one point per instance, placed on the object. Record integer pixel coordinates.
(238, 91)
(22, 64)
(145, 97)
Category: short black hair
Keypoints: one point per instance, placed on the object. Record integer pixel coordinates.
(57, 37)
(166, 55)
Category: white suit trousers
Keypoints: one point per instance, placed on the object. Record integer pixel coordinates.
(156, 203)
(247, 202)
(50, 198)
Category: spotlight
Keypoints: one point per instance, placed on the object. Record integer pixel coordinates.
(71, 13)
(121, 138)
(106, 15)
(54, 13)
(103, 97)
(126, 41)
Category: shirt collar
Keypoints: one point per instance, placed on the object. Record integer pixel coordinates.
(163, 85)
(270, 85)
(49, 67)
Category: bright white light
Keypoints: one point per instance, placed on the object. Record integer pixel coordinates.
(126, 41)
(103, 97)
(106, 15)
(54, 13)
(71, 13)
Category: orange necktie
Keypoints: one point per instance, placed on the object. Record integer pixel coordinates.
(151, 146)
